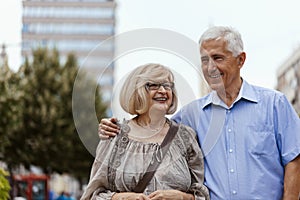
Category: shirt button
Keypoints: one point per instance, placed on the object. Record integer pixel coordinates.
(233, 192)
(229, 130)
(230, 150)
(232, 170)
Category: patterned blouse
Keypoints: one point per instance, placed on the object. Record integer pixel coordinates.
(121, 162)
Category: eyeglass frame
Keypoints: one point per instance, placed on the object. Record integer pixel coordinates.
(169, 86)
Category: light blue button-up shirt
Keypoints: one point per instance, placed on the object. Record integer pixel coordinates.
(247, 145)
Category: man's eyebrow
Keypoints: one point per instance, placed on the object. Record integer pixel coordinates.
(217, 55)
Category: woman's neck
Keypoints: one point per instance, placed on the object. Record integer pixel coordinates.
(146, 129)
(151, 122)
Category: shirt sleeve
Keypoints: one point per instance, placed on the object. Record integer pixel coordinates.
(196, 167)
(177, 117)
(288, 129)
(98, 186)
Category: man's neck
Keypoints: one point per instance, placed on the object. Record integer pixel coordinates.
(230, 94)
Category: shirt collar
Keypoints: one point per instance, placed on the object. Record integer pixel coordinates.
(246, 92)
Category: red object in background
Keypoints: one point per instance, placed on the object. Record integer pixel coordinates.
(31, 187)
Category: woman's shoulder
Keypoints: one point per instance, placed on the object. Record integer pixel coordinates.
(186, 140)
(185, 132)
(182, 128)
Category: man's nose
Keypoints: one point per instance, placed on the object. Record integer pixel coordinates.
(212, 65)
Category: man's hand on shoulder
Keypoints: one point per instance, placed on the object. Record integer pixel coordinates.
(108, 128)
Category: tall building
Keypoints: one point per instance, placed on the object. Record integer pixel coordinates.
(288, 79)
(77, 26)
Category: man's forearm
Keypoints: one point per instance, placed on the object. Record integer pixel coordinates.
(292, 180)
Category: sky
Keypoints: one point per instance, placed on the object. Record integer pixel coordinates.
(10, 30)
(270, 30)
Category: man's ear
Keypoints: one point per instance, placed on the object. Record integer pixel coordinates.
(242, 58)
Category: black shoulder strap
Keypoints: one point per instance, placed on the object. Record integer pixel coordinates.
(140, 187)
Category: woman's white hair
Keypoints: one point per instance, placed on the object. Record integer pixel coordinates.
(134, 96)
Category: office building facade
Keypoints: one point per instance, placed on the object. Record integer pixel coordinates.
(288, 79)
(73, 26)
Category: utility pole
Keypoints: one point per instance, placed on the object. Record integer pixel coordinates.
(3, 56)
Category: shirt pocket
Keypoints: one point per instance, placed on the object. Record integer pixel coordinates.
(260, 140)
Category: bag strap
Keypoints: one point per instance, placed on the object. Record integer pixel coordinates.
(143, 182)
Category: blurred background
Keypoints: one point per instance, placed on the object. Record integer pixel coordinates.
(44, 43)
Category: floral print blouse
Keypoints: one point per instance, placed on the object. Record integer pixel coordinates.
(121, 162)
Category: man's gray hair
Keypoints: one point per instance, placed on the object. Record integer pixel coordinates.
(230, 35)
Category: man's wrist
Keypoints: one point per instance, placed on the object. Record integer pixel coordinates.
(189, 196)
(291, 196)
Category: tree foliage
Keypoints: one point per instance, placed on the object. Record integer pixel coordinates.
(47, 137)
(10, 109)
(4, 185)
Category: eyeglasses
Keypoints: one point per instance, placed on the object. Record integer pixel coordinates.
(156, 86)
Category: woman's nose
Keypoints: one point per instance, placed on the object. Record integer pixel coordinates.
(161, 89)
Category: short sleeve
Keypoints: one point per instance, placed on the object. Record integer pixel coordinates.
(98, 186)
(196, 165)
(287, 124)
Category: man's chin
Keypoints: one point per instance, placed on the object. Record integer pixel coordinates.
(217, 86)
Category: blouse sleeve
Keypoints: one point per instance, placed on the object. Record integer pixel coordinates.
(98, 185)
(196, 165)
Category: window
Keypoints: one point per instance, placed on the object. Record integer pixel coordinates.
(51, 28)
(68, 12)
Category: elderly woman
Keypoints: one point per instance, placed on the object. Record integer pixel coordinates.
(123, 162)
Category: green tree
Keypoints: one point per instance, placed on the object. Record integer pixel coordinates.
(4, 185)
(48, 137)
(39, 84)
(10, 108)
(76, 159)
